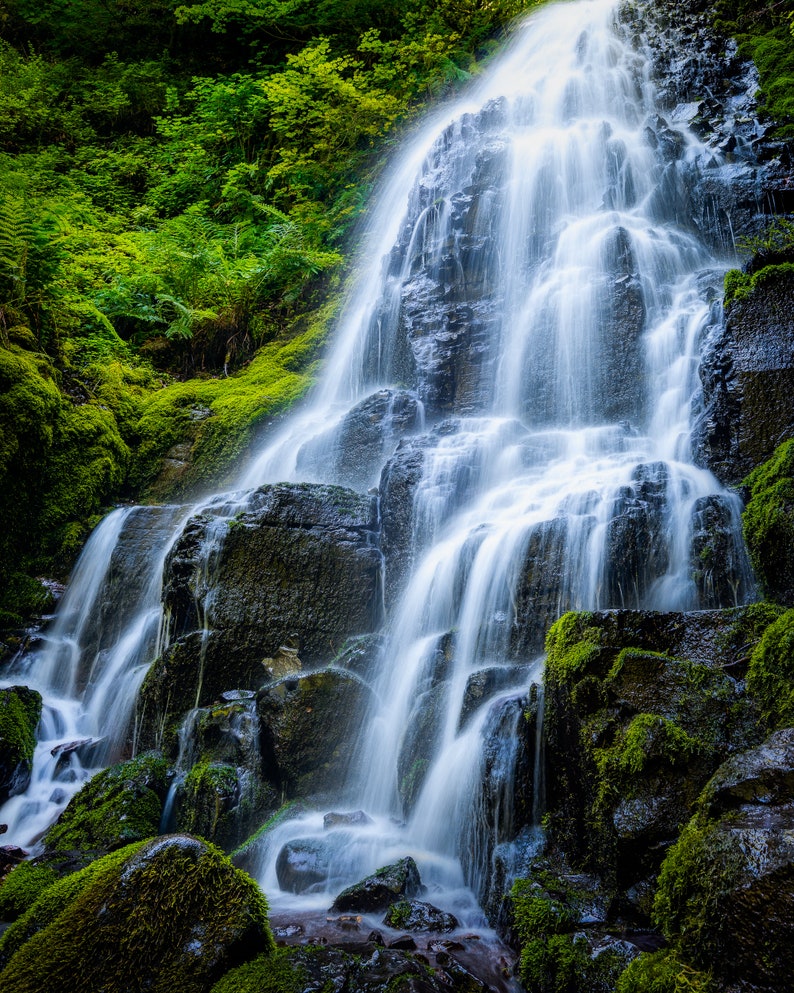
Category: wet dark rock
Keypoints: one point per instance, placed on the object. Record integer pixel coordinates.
(303, 864)
(309, 728)
(356, 818)
(482, 685)
(399, 479)
(414, 915)
(20, 711)
(719, 562)
(538, 596)
(353, 453)
(747, 374)
(301, 567)
(727, 887)
(388, 885)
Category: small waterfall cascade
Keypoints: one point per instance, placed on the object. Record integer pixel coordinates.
(516, 365)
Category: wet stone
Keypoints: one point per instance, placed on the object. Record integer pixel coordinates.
(388, 885)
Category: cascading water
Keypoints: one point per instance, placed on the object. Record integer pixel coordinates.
(526, 327)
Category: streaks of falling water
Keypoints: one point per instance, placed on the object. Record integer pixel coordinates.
(526, 278)
(534, 208)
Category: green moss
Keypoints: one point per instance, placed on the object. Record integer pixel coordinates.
(663, 972)
(768, 523)
(267, 974)
(699, 870)
(119, 805)
(169, 916)
(207, 795)
(647, 738)
(398, 914)
(20, 711)
(571, 646)
(56, 898)
(22, 887)
(770, 677)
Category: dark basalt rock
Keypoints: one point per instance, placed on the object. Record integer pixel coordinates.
(300, 567)
(388, 885)
(414, 915)
(303, 864)
(719, 562)
(308, 730)
(727, 888)
(748, 381)
(353, 453)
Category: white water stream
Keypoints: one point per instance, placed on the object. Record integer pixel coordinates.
(529, 218)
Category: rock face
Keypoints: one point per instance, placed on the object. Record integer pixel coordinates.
(308, 730)
(748, 381)
(638, 717)
(149, 914)
(20, 710)
(727, 888)
(301, 566)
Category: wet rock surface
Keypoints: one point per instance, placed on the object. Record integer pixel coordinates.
(388, 885)
(748, 381)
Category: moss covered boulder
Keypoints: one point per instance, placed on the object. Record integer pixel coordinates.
(117, 806)
(389, 885)
(726, 889)
(167, 915)
(20, 711)
(640, 711)
(769, 524)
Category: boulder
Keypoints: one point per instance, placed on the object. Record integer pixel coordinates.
(726, 890)
(20, 711)
(146, 917)
(415, 915)
(299, 568)
(309, 727)
(388, 885)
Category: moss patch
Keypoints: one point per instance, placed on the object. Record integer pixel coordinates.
(768, 524)
(117, 806)
(22, 887)
(663, 972)
(770, 677)
(267, 974)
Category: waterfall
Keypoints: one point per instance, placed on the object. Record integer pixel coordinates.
(527, 314)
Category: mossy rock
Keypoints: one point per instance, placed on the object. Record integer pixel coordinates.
(663, 972)
(117, 806)
(21, 888)
(391, 884)
(20, 711)
(769, 524)
(171, 915)
(770, 677)
(726, 889)
(633, 734)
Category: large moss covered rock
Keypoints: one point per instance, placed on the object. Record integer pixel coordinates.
(389, 885)
(170, 915)
(640, 711)
(769, 524)
(726, 889)
(119, 805)
(20, 710)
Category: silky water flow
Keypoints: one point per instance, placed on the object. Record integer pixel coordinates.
(533, 299)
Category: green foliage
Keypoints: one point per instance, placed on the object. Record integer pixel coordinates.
(663, 972)
(168, 915)
(22, 887)
(763, 32)
(117, 806)
(267, 974)
(768, 523)
(570, 645)
(770, 677)
(739, 285)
